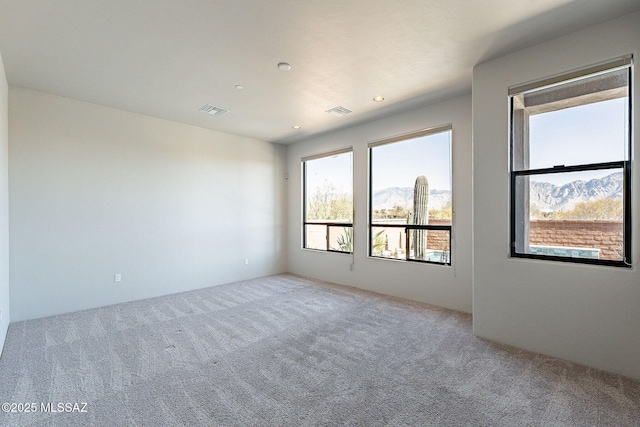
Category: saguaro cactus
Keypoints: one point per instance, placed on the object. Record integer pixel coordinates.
(420, 215)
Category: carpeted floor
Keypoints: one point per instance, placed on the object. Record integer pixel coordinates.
(291, 351)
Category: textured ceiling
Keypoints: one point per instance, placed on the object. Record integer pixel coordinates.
(168, 58)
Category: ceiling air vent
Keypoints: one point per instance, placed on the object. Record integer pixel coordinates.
(339, 111)
(212, 109)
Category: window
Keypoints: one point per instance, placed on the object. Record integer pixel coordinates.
(410, 197)
(570, 174)
(328, 202)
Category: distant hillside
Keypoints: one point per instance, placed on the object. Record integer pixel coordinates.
(546, 196)
(550, 197)
(403, 197)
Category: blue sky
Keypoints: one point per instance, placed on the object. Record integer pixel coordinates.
(335, 170)
(592, 133)
(399, 164)
(395, 165)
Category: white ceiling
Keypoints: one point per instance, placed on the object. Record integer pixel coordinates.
(168, 58)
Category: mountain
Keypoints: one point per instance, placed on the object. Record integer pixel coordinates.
(390, 197)
(547, 196)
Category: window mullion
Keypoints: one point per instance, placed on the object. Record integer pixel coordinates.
(572, 168)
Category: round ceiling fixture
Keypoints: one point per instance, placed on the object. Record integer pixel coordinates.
(379, 98)
(239, 87)
(296, 127)
(283, 66)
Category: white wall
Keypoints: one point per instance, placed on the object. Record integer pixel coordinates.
(440, 285)
(587, 314)
(96, 191)
(4, 208)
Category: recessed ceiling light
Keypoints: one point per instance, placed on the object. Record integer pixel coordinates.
(283, 66)
(239, 87)
(379, 98)
(296, 127)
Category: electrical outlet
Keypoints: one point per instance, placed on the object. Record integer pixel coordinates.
(117, 277)
(246, 261)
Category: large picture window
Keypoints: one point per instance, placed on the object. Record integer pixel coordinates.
(410, 197)
(570, 174)
(328, 202)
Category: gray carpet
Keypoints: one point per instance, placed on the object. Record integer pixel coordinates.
(290, 351)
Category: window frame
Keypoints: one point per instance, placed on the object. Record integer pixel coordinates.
(625, 165)
(371, 225)
(327, 224)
